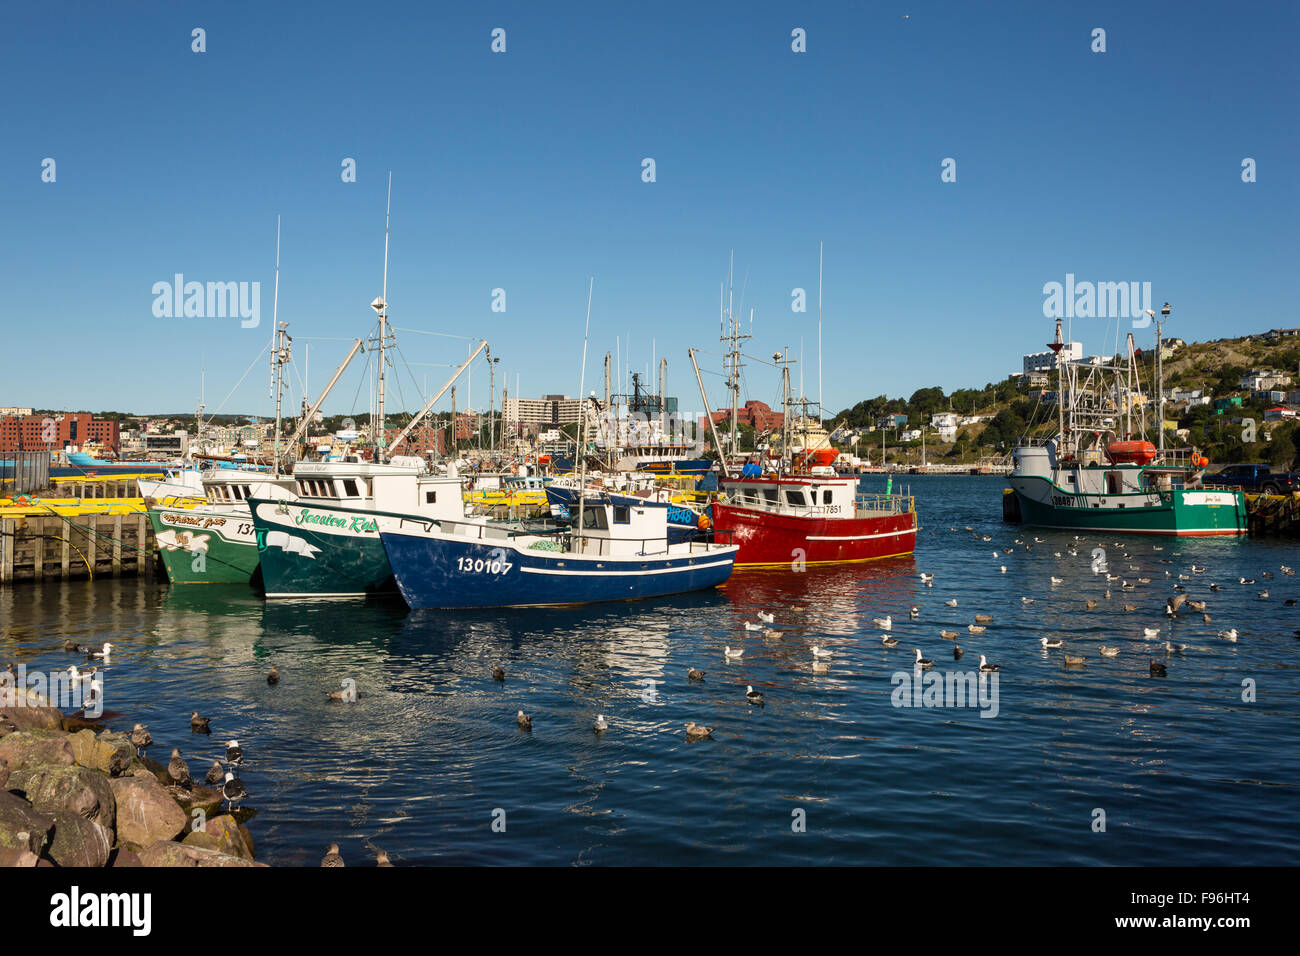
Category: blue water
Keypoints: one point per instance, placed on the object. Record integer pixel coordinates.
(1185, 771)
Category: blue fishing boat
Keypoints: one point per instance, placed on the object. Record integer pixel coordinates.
(617, 552)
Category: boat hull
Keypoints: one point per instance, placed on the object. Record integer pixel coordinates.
(767, 538)
(1177, 513)
(319, 551)
(442, 571)
(207, 546)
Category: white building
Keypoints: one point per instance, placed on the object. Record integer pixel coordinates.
(547, 410)
(945, 423)
(1046, 361)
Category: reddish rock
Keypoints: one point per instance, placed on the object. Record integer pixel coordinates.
(74, 790)
(22, 826)
(146, 812)
(164, 853)
(35, 748)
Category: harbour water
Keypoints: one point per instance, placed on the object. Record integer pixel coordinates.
(429, 757)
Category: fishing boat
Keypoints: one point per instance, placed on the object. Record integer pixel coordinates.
(214, 542)
(1100, 473)
(321, 539)
(792, 513)
(614, 552)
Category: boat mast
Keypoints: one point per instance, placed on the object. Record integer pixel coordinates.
(712, 425)
(279, 358)
(1056, 346)
(582, 419)
(732, 335)
(785, 409)
(821, 417)
(1160, 378)
(380, 305)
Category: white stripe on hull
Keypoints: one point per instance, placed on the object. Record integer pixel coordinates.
(638, 571)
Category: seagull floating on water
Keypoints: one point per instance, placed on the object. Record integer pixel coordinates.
(753, 696)
(821, 652)
(949, 635)
(601, 725)
(199, 725)
(987, 668)
(524, 721)
(694, 674)
(884, 623)
(766, 617)
(1051, 645)
(1150, 631)
(1074, 660)
(74, 647)
(1229, 635)
(498, 672)
(1158, 669)
(1174, 648)
(957, 652)
(952, 603)
(273, 676)
(728, 653)
(976, 628)
(695, 732)
(923, 662)
(750, 626)
(1108, 651)
(103, 654)
(888, 641)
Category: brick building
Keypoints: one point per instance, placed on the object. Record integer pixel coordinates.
(758, 415)
(57, 431)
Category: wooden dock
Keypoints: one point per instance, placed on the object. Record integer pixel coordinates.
(100, 544)
(1273, 514)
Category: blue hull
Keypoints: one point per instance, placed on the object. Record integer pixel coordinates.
(442, 572)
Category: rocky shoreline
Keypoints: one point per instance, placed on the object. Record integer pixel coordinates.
(73, 794)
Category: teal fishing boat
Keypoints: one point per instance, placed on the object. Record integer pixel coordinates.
(1101, 474)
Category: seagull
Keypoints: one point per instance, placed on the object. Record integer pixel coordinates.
(234, 753)
(949, 635)
(1263, 594)
(332, 857)
(820, 667)
(1229, 635)
(820, 652)
(1174, 648)
(524, 721)
(957, 652)
(1245, 580)
(1196, 605)
(987, 668)
(1026, 601)
(74, 647)
(177, 769)
(922, 662)
(1159, 670)
(976, 628)
(753, 696)
(1130, 607)
(914, 613)
(498, 672)
(926, 577)
(199, 725)
(1004, 569)
(693, 674)
(1072, 660)
(1051, 645)
(141, 737)
(728, 653)
(1150, 631)
(952, 603)
(983, 618)
(695, 732)
(233, 790)
(381, 859)
(750, 626)
(273, 677)
(1056, 580)
(216, 774)
(884, 623)
(1108, 651)
(101, 655)
(1090, 604)
(343, 696)
(888, 641)
(766, 617)
(601, 725)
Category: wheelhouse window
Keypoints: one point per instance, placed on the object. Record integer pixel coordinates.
(350, 488)
(1114, 483)
(770, 495)
(431, 497)
(593, 519)
(826, 497)
(622, 514)
(795, 499)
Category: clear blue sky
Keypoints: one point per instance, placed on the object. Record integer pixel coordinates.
(522, 171)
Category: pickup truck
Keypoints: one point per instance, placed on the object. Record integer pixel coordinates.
(1255, 479)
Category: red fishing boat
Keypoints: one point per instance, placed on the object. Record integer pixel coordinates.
(800, 519)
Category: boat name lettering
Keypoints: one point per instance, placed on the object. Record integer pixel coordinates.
(197, 521)
(357, 524)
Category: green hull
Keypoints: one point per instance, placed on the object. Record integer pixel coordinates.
(319, 551)
(1184, 513)
(205, 546)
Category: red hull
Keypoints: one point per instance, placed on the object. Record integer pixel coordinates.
(767, 538)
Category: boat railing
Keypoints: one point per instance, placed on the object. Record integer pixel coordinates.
(884, 504)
